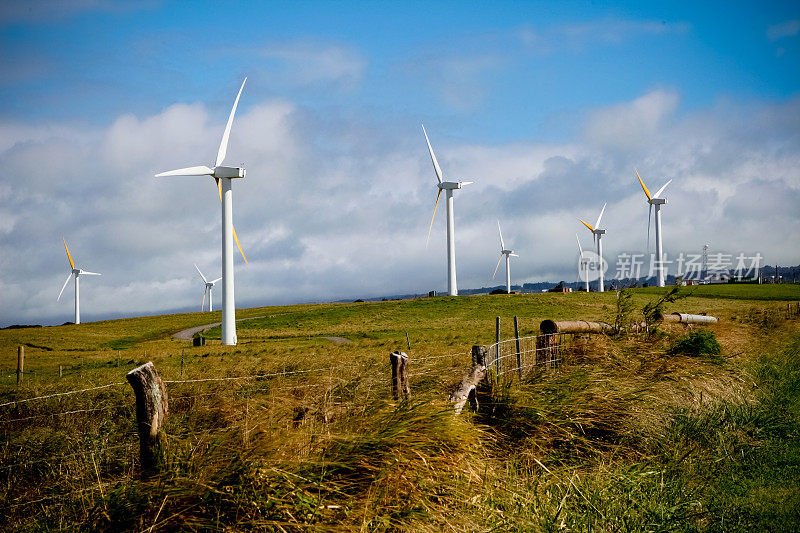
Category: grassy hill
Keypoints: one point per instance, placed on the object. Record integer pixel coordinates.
(626, 434)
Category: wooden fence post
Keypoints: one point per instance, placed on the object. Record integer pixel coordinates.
(465, 392)
(519, 356)
(400, 385)
(151, 410)
(20, 363)
(497, 345)
(60, 371)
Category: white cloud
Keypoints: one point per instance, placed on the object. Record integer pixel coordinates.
(582, 35)
(317, 64)
(333, 208)
(788, 28)
(631, 124)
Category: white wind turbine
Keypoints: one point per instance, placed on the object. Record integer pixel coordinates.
(504, 253)
(208, 289)
(657, 201)
(223, 177)
(449, 186)
(76, 273)
(583, 263)
(597, 235)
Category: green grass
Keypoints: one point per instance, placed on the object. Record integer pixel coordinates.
(624, 436)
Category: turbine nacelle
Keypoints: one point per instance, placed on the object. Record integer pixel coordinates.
(229, 172)
(453, 185)
(657, 201)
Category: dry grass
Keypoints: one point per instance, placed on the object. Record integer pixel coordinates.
(596, 444)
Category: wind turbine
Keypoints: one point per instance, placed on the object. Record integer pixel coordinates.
(597, 235)
(507, 254)
(583, 263)
(223, 176)
(657, 201)
(449, 186)
(76, 272)
(209, 287)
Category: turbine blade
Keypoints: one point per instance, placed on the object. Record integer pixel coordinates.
(580, 248)
(597, 224)
(214, 281)
(513, 255)
(203, 305)
(659, 191)
(201, 274)
(644, 188)
(71, 263)
(587, 225)
(462, 183)
(432, 217)
(436, 167)
(649, 217)
(498, 266)
(223, 146)
(64, 287)
(188, 171)
(502, 244)
(83, 272)
(236, 237)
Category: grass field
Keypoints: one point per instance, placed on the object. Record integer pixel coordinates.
(624, 436)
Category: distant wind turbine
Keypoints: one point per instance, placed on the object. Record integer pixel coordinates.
(449, 186)
(208, 289)
(76, 273)
(583, 263)
(657, 201)
(597, 235)
(223, 176)
(504, 253)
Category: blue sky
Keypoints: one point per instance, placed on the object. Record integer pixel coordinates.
(548, 106)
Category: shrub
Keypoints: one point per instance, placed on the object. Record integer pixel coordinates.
(700, 342)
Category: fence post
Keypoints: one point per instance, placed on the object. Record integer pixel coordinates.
(465, 392)
(399, 361)
(519, 356)
(497, 345)
(60, 371)
(151, 410)
(181, 362)
(20, 363)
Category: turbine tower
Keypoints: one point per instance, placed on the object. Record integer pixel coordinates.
(76, 272)
(597, 235)
(224, 177)
(449, 186)
(507, 254)
(583, 263)
(655, 201)
(208, 289)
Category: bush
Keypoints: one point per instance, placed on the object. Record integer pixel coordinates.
(700, 342)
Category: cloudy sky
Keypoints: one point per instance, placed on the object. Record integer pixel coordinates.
(547, 107)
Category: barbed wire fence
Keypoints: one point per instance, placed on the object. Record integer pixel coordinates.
(93, 466)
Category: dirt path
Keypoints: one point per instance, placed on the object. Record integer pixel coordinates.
(187, 334)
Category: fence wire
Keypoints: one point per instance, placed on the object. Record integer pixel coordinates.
(513, 357)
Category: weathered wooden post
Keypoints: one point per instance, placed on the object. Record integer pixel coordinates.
(465, 392)
(399, 362)
(497, 345)
(60, 371)
(151, 411)
(20, 363)
(519, 356)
